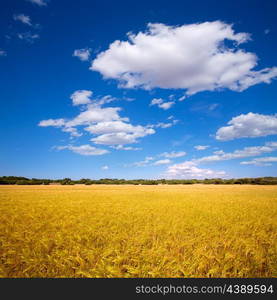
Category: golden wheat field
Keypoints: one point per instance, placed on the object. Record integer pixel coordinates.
(138, 231)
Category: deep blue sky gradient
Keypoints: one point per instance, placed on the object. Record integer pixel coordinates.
(37, 79)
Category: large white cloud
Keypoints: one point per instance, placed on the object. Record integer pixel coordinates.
(248, 126)
(193, 57)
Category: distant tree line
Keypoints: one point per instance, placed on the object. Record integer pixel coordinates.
(67, 181)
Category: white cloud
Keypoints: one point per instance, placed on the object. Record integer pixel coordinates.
(213, 106)
(73, 131)
(52, 122)
(60, 123)
(142, 163)
(82, 54)
(118, 133)
(28, 36)
(84, 150)
(238, 154)
(95, 114)
(182, 98)
(173, 154)
(166, 105)
(162, 162)
(114, 127)
(105, 168)
(267, 31)
(120, 138)
(189, 170)
(193, 57)
(161, 104)
(201, 147)
(105, 100)
(105, 123)
(163, 125)
(148, 161)
(23, 18)
(38, 2)
(262, 161)
(156, 101)
(121, 147)
(169, 124)
(81, 97)
(3, 52)
(206, 108)
(248, 126)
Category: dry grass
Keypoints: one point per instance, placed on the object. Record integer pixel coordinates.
(138, 231)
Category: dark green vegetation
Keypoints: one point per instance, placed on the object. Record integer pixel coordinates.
(68, 181)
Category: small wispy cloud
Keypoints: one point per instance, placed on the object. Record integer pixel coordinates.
(3, 52)
(82, 54)
(182, 98)
(162, 162)
(86, 150)
(164, 125)
(173, 154)
(261, 161)
(155, 161)
(128, 148)
(201, 147)
(23, 18)
(203, 107)
(142, 163)
(28, 37)
(39, 2)
(161, 103)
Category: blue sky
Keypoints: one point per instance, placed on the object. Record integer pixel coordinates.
(148, 89)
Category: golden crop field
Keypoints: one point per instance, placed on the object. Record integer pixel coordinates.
(138, 231)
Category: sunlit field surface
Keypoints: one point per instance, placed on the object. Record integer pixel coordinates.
(138, 231)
